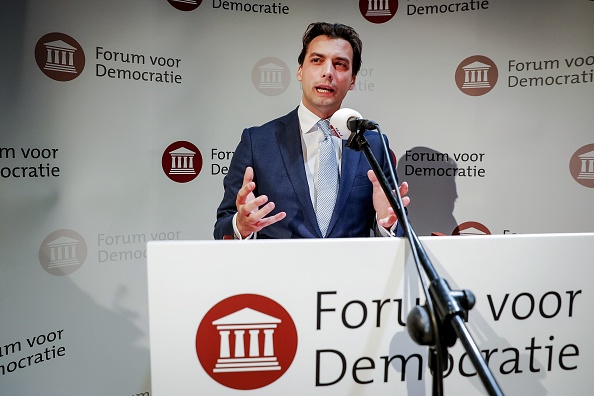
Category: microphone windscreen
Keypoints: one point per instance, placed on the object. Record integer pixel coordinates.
(339, 122)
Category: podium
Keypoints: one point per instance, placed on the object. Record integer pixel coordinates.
(327, 317)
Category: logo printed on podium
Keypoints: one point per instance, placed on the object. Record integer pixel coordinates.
(62, 252)
(59, 56)
(378, 11)
(181, 161)
(476, 75)
(185, 5)
(246, 342)
(581, 165)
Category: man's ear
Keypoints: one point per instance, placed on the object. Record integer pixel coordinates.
(299, 71)
(353, 83)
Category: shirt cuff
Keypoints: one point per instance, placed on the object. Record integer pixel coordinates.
(384, 232)
(236, 233)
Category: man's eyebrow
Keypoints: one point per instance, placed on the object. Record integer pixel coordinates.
(316, 55)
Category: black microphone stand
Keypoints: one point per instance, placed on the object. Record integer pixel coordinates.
(440, 322)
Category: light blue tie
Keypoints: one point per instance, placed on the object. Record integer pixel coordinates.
(327, 178)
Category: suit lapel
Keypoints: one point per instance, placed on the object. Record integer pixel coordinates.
(289, 140)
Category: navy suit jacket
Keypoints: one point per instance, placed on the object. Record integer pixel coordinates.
(275, 153)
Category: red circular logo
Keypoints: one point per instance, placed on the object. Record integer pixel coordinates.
(471, 228)
(476, 75)
(59, 56)
(246, 342)
(181, 161)
(185, 5)
(378, 11)
(581, 165)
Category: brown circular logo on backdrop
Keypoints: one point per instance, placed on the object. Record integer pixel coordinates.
(476, 75)
(581, 165)
(185, 5)
(62, 252)
(378, 11)
(471, 228)
(181, 161)
(271, 76)
(246, 341)
(59, 56)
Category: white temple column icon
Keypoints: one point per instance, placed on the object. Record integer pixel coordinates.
(268, 342)
(224, 351)
(239, 345)
(254, 344)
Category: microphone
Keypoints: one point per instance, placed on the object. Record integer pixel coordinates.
(344, 121)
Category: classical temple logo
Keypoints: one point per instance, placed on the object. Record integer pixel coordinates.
(581, 166)
(242, 357)
(59, 56)
(185, 5)
(62, 252)
(181, 162)
(476, 75)
(378, 11)
(246, 342)
(271, 76)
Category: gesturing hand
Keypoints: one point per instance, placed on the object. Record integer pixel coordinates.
(385, 214)
(252, 210)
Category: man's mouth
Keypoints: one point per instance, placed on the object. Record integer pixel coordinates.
(324, 90)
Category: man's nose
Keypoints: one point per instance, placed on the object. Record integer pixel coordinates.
(328, 70)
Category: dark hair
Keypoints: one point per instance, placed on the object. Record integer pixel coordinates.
(334, 31)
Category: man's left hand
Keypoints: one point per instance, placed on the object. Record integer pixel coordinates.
(385, 214)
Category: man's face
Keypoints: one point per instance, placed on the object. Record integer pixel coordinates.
(326, 75)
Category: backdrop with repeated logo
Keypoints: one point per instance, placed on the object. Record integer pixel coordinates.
(119, 120)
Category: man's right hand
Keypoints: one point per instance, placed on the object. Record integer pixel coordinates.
(252, 210)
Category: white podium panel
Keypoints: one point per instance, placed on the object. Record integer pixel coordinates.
(327, 317)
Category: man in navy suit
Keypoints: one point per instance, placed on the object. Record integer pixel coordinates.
(271, 187)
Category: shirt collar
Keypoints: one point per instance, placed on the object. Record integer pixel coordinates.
(307, 119)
